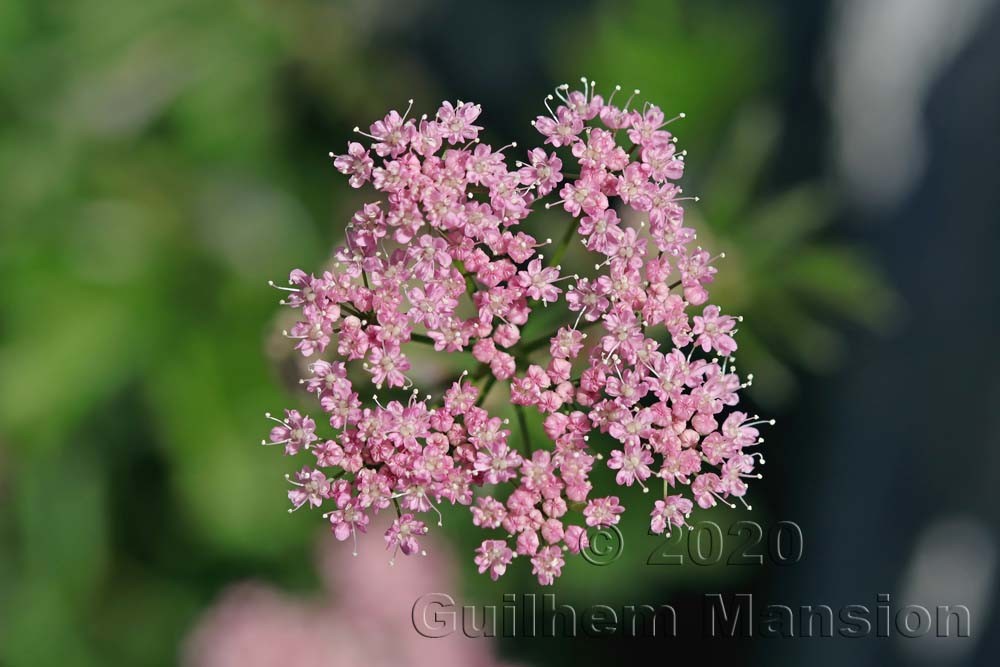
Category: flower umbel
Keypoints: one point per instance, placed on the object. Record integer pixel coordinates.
(442, 259)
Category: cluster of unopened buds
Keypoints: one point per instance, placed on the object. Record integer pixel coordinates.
(441, 260)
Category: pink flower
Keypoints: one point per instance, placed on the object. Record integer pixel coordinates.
(527, 540)
(494, 556)
(456, 123)
(671, 511)
(713, 330)
(705, 489)
(296, 432)
(600, 152)
(440, 259)
(489, 513)
(543, 171)
(547, 564)
(584, 195)
(602, 231)
(538, 282)
(603, 511)
(632, 464)
(309, 486)
(348, 521)
(576, 539)
(345, 622)
(356, 163)
(403, 534)
(392, 134)
(387, 365)
(560, 130)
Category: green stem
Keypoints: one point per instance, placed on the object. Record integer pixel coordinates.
(470, 288)
(486, 390)
(352, 310)
(541, 341)
(421, 338)
(470, 283)
(564, 243)
(523, 421)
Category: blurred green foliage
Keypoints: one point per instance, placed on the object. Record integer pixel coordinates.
(159, 161)
(788, 280)
(152, 180)
(792, 282)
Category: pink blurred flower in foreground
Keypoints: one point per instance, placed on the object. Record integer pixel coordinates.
(362, 618)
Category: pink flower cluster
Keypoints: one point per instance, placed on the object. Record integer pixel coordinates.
(441, 259)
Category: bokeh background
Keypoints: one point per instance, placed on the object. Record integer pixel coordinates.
(161, 160)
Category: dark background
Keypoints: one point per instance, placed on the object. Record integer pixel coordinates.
(161, 160)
